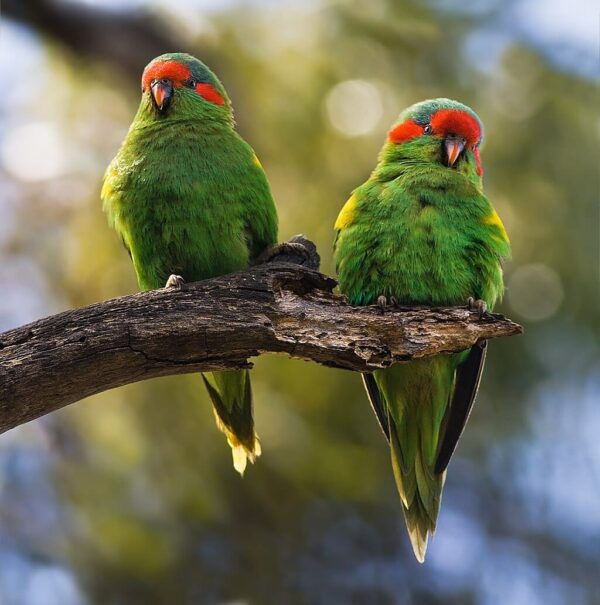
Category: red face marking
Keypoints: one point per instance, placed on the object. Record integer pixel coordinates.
(453, 121)
(443, 123)
(179, 74)
(209, 93)
(478, 161)
(171, 70)
(405, 131)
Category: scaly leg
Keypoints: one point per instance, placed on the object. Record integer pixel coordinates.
(382, 302)
(477, 305)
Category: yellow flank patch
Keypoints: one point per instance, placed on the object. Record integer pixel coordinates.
(256, 161)
(494, 219)
(347, 214)
(107, 188)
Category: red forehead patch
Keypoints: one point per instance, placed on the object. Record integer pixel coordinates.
(455, 121)
(172, 70)
(405, 131)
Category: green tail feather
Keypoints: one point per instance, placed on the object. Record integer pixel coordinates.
(231, 395)
(417, 395)
(420, 494)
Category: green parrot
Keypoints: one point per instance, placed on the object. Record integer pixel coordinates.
(420, 231)
(190, 200)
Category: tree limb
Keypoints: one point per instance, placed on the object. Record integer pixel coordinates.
(214, 325)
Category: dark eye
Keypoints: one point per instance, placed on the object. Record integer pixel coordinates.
(191, 83)
(428, 129)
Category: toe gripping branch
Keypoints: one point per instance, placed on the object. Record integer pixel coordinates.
(217, 324)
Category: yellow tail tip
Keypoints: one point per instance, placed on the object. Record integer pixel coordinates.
(419, 544)
(241, 454)
(240, 459)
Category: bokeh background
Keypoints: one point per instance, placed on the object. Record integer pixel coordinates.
(130, 496)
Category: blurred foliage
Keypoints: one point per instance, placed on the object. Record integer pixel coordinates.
(131, 495)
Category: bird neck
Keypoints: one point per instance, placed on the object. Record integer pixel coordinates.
(204, 118)
(421, 159)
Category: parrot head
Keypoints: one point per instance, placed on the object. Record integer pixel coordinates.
(441, 131)
(178, 86)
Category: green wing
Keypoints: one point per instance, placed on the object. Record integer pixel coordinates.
(377, 404)
(260, 211)
(468, 377)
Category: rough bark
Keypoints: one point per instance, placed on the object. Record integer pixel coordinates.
(217, 324)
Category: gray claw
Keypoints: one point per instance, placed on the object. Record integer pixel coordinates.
(382, 303)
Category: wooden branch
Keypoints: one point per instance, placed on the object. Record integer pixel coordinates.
(214, 325)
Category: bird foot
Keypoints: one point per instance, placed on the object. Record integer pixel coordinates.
(175, 281)
(477, 305)
(382, 302)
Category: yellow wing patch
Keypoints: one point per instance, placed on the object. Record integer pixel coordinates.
(256, 161)
(346, 215)
(107, 188)
(494, 220)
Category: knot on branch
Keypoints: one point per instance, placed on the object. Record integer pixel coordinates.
(282, 306)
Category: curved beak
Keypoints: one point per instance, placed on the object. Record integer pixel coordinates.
(162, 91)
(453, 146)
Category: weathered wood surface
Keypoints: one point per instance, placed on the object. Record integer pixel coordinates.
(216, 324)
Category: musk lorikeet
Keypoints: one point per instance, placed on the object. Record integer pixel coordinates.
(191, 201)
(421, 231)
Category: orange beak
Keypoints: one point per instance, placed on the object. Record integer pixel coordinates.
(162, 91)
(454, 146)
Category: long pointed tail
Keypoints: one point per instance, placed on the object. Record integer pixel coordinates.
(417, 396)
(231, 395)
(420, 492)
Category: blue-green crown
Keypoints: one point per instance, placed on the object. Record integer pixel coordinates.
(200, 72)
(422, 112)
